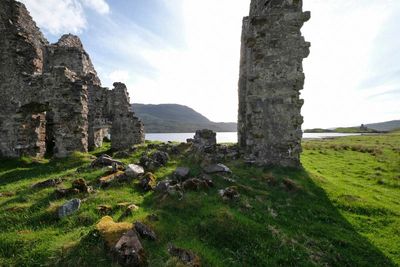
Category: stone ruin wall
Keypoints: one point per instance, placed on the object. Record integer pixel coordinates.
(271, 77)
(51, 97)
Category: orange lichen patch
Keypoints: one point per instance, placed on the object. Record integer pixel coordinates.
(109, 178)
(112, 231)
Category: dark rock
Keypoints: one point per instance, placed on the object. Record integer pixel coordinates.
(7, 194)
(69, 208)
(144, 231)
(187, 257)
(207, 179)
(181, 173)
(229, 193)
(63, 193)
(160, 157)
(290, 185)
(104, 209)
(152, 217)
(129, 251)
(109, 179)
(104, 161)
(216, 168)
(194, 184)
(47, 183)
(81, 185)
(148, 182)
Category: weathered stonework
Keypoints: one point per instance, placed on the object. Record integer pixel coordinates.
(51, 97)
(271, 77)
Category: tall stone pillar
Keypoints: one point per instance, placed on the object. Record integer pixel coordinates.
(271, 77)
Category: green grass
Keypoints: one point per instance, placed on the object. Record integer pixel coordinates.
(344, 211)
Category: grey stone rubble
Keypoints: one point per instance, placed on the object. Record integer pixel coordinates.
(51, 97)
(144, 231)
(216, 168)
(134, 171)
(69, 207)
(181, 173)
(271, 77)
(129, 250)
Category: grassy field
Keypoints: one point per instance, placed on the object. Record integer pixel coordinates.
(342, 209)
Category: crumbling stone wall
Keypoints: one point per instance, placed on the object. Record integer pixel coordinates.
(49, 93)
(271, 77)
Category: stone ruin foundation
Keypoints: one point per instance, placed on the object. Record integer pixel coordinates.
(51, 98)
(271, 77)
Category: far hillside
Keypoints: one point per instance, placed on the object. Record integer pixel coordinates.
(380, 127)
(174, 118)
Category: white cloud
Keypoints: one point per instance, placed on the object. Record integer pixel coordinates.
(63, 16)
(119, 76)
(204, 74)
(100, 6)
(344, 37)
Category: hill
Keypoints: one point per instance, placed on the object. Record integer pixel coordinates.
(386, 126)
(174, 118)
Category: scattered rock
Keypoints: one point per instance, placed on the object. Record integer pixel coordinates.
(47, 183)
(62, 192)
(148, 182)
(107, 180)
(216, 168)
(229, 193)
(162, 186)
(187, 257)
(271, 180)
(7, 194)
(208, 179)
(130, 210)
(156, 160)
(104, 209)
(205, 138)
(134, 171)
(152, 217)
(81, 185)
(129, 251)
(112, 231)
(195, 184)
(144, 231)
(290, 185)
(123, 205)
(105, 160)
(181, 173)
(69, 208)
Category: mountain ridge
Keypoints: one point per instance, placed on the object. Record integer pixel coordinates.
(175, 118)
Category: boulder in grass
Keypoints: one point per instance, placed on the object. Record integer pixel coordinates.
(69, 208)
(134, 171)
(187, 257)
(148, 182)
(229, 193)
(47, 183)
(216, 168)
(144, 231)
(112, 231)
(181, 173)
(129, 250)
(104, 161)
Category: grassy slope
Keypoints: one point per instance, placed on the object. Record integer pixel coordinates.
(346, 212)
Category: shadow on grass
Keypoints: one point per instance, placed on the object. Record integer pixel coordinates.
(283, 228)
(12, 171)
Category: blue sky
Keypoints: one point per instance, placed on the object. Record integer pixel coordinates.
(187, 52)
